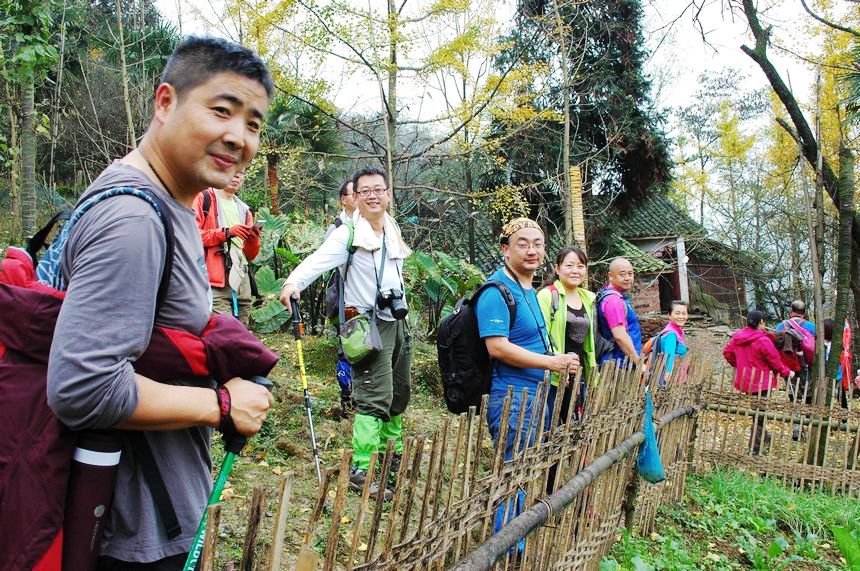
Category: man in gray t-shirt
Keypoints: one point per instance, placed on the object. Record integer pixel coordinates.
(208, 112)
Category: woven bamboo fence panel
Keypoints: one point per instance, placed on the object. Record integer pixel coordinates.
(782, 434)
(451, 484)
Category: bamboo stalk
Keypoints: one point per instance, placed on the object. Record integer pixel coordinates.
(280, 527)
(210, 539)
(339, 499)
(255, 514)
(362, 509)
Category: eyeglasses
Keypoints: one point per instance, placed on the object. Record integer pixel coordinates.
(366, 192)
(525, 246)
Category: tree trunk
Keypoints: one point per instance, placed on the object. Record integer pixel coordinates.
(567, 190)
(28, 155)
(391, 100)
(14, 167)
(843, 257)
(802, 132)
(470, 207)
(123, 71)
(272, 172)
(55, 104)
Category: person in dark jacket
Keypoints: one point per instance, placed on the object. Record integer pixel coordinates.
(752, 352)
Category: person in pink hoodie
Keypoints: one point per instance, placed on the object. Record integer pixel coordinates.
(752, 352)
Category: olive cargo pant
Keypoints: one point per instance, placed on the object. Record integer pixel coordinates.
(381, 390)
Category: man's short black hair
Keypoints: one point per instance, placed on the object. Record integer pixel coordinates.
(196, 59)
(344, 190)
(798, 307)
(367, 171)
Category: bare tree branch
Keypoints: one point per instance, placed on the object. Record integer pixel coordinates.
(851, 31)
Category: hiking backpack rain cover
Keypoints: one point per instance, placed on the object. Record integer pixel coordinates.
(465, 365)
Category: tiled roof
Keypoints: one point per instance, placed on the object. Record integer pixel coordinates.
(643, 263)
(655, 216)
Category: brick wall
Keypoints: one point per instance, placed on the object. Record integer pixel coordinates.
(720, 282)
(646, 294)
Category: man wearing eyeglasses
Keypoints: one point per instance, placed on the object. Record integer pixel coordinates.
(521, 350)
(373, 285)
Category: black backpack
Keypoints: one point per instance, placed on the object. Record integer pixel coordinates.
(465, 365)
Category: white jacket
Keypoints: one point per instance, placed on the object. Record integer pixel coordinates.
(360, 289)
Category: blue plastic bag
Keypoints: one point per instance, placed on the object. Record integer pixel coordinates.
(648, 462)
(344, 376)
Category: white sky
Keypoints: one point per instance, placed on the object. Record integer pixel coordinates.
(678, 53)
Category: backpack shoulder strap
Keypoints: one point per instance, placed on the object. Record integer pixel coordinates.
(49, 270)
(349, 245)
(39, 240)
(350, 250)
(507, 296)
(798, 327)
(556, 298)
(207, 203)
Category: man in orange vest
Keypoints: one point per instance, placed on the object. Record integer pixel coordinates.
(231, 240)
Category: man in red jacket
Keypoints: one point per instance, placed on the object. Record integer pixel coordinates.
(231, 240)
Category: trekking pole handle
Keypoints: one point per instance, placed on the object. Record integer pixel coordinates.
(296, 318)
(238, 441)
(262, 381)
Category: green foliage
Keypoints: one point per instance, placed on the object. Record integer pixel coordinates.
(848, 540)
(28, 24)
(272, 314)
(425, 368)
(284, 242)
(731, 520)
(616, 130)
(435, 282)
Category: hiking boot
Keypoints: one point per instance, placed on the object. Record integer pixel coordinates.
(347, 407)
(357, 479)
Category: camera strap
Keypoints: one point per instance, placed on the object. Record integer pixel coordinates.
(381, 266)
(541, 323)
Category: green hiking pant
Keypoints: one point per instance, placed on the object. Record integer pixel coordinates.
(370, 434)
(381, 390)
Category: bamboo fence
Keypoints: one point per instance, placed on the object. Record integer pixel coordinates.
(451, 484)
(807, 445)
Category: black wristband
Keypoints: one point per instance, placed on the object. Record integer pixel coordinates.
(225, 407)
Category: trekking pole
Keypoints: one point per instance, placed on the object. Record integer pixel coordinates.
(232, 446)
(298, 332)
(228, 266)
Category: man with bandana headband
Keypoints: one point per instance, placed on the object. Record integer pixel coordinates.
(522, 352)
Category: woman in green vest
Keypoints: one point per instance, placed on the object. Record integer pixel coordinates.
(568, 309)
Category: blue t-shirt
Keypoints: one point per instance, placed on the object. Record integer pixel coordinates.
(528, 330)
(808, 325)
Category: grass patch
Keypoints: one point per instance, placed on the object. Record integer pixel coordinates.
(732, 520)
